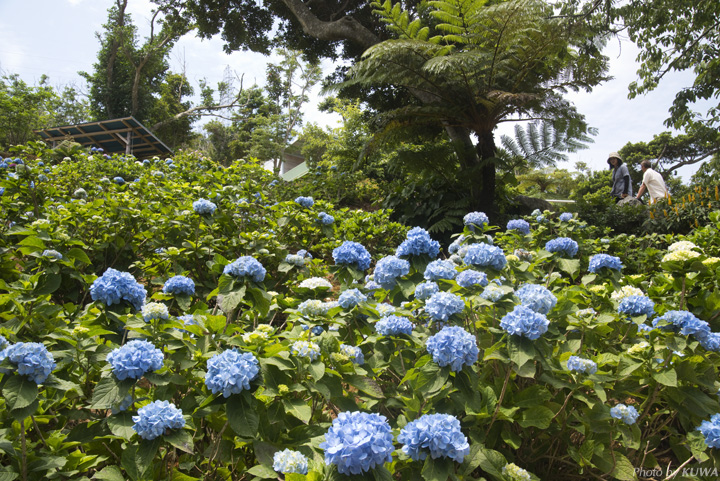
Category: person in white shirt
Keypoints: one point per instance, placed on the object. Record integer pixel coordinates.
(653, 182)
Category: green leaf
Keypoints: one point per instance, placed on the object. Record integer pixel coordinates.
(48, 284)
(437, 469)
(78, 255)
(262, 471)
(380, 473)
(22, 413)
(242, 415)
(624, 470)
(538, 416)
(317, 370)
(181, 439)
(109, 392)
(366, 385)
(666, 378)
(19, 392)
(8, 476)
(570, 266)
(489, 460)
(262, 300)
(109, 473)
(233, 299)
(298, 408)
(121, 425)
(136, 459)
(520, 349)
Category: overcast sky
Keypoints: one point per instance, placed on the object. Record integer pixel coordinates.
(57, 38)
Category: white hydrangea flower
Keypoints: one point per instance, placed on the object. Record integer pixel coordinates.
(315, 283)
(639, 347)
(682, 246)
(680, 256)
(626, 291)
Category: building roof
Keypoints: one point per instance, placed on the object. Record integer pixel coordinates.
(116, 136)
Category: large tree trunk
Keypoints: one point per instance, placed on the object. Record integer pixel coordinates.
(484, 199)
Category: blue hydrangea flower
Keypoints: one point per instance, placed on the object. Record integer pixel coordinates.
(388, 269)
(134, 359)
(711, 431)
(299, 258)
(565, 216)
(438, 434)
(637, 306)
(52, 253)
(314, 308)
(456, 244)
(305, 201)
(453, 346)
(442, 305)
(351, 298)
(357, 442)
(710, 341)
(3, 343)
(189, 320)
(492, 293)
(289, 461)
(352, 254)
(354, 353)
(425, 290)
(385, 309)
(156, 418)
(179, 286)
(686, 322)
(516, 473)
(536, 297)
(523, 321)
(575, 363)
(394, 325)
(440, 269)
(231, 371)
(325, 219)
(485, 255)
(628, 414)
(246, 266)
(469, 278)
(598, 261)
(115, 286)
(305, 349)
(119, 180)
(32, 360)
(204, 207)
(519, 225)
(155, 310)
(473, 219)
(417, 243)
(563, 245)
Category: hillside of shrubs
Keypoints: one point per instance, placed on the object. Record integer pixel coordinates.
(178, 319)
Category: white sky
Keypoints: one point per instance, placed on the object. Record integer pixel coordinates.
(57, 38)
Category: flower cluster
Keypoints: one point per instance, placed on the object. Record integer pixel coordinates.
(115, 286)
(305, 201)
(118, 180)
(385, 309)
(179, 286)
(305, 349)
(628, 414)
(299, 258)
(155, 310)
(453, 346)
(417, 243)
(325, 218)
(442, 305)
(315, 283)
(575, 363)
(598, 261)
(351, 298)
(438, 434)
(352, 254)
(485, 255)
(32, 360)
(261, 333)
(456, 244)
(80, 194)
(682, 246)
(469, 278)
(289, 461)
(425, 290)
(246, 266)
(523, 321)
(536, 297)
(388, 269)
(314, 308)
(564, 245)
(637, 306)
(473, 219)
(440, 269)
(156, 418)
(492, 293)
(134, 359)
(519, 225)
(680, 256)
(204, 207)
(515, 472)
(52, 253)
(394, 325)
(711, 431)
(357, 442)
(626, 291)
(230, 372)
(354, 353)
(565, 216)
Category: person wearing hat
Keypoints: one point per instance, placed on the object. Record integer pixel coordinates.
(621, 186)
(653, 182)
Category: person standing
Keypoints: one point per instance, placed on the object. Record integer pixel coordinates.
(621, 186)
(653, 182)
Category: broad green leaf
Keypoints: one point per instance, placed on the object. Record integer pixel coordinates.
(232, 300)
(262, 471)
(298, 408)
(242, 415)
(48, 284)
(78, 255)
(136, 459)
(364, 384)
(121, 425)
(520, 349)
(317, 370)
(570, 266)
(538, 416)
(181, 439)
(437, 469)
(109, 473)
(19, 392)
(109, 392)
(666, 378)
(489, 460)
